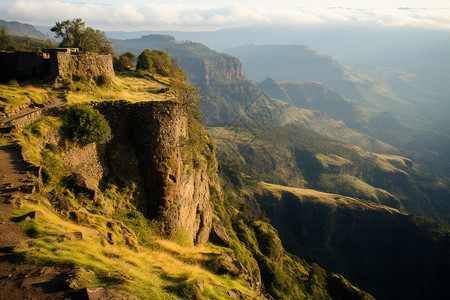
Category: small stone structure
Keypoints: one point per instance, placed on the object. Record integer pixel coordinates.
(53, 62)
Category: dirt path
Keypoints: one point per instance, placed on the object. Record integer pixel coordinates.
(24, 281)
(18, 280)
(12, 169)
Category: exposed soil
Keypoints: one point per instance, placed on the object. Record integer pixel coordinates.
(17, 279)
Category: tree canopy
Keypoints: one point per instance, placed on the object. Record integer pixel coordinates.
(75, 34)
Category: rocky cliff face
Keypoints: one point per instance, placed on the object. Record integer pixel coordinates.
(202, 70)
(384, 251)
(149, 140)
(146, 148)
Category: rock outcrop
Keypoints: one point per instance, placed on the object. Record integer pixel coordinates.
(202, 70)
(219, 235)
(147, 148)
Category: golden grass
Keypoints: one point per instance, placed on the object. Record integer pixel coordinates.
(154, 272)
(13, 97)
(395, 160)
(332, 160)
(332, 200)
(350, 184)
(133, 89)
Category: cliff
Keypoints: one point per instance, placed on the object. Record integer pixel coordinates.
(149, 149)
(148, 142)
(202, 70)
(389, 254)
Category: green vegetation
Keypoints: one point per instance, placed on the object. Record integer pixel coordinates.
(44, 156)
(85, 125)
(125, 62)
(155, 270)
(257, 245)
(75, 34)
(159, 62)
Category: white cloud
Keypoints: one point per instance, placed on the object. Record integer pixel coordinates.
(169, 15)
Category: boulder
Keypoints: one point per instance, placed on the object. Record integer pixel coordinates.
(199, 285)
(16, 200)
(219, 235)
(34, 215)
(62, 203)
(28, 188)
(83, 184)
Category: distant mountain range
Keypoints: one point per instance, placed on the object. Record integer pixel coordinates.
(21, 29)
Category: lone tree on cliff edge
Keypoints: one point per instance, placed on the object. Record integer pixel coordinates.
(75, 34)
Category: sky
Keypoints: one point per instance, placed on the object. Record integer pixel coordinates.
(196, 15)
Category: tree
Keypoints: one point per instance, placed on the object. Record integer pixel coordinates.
(75, 34)
(6, 42)
(144, 60)
(161, 62)
(125, 61)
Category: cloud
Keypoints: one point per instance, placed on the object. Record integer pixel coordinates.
(128, 16)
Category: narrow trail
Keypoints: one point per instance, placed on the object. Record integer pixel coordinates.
(19, 280)
(12, 167)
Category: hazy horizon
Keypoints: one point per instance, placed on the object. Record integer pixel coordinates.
(199, 15)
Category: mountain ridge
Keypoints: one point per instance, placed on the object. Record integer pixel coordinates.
(22, 29)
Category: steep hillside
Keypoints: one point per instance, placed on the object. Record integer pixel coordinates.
(294, 63)
(402, 109)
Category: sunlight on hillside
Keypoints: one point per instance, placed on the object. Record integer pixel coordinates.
(130, 88)
(155, 271)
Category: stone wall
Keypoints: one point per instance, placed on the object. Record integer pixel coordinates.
(27, 119)
(27, 65)
(82, 63)
(24, 65)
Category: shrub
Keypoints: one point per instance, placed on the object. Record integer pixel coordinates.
(13, 83)
(103, 80)
(144, 60)
(125, 61)
(86, 125)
